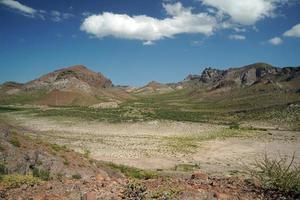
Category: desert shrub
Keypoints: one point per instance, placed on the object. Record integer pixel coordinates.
(135, 191)
(76, 176)
(14, 141)
(66, 162)
(280, 174)
(86, 153)
(16, 180)
(3, 169)
(1, 148)
(41, 173)
(57, 147)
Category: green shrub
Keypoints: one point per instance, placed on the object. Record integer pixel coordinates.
(14, 141)
(41, 173)
(57, 147)
(135, 191)
(76, 176)
(86, 153)
(66, 162)
(16, 180)
(3, 169)
(279, 174)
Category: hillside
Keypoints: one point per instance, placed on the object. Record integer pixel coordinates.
(75, 85)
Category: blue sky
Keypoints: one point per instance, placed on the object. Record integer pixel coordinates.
(135, 41)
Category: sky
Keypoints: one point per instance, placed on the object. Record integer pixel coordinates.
(133, 42)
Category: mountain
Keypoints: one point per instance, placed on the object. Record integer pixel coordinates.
(153, 87)
(70, 78)
(75, 85)
(258, 73)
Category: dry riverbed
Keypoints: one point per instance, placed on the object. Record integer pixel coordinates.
(164, 144)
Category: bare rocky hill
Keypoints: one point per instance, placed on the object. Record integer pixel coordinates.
(245, 76)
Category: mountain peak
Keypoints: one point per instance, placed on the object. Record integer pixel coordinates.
(74, 76)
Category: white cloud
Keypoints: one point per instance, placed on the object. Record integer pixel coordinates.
(275, 41)
(293, 32)
(237, 37)
(18, 6)
(148, 43)
(31, 12)
(58, 16)
(146, 28)
(245, 12)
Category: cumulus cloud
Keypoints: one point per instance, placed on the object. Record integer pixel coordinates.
(245, 12)
(237, 37)
(148, 29)
(293, 32)
(275, 41)
(18, 6)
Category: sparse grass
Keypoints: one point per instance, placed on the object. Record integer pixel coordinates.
(16, 180)
(189, 143)
(132, 172)
(41, 173)
(15, 141)
(280, 174)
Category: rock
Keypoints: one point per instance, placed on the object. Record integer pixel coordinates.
(210, 75)
(100, 177)
(90, 196)
(49, 186)
(24, 187)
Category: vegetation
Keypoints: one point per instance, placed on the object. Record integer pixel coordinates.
(16, 180)
(41, 173)
(132, 172)
(14, 141)
(135, 191)
(279, 174)
(57, 147)
(86, 153)
(3, 169)
(66, 162)
(186, 167)
(76, 176)
(189, 143)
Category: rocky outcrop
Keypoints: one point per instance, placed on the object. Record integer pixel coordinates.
(210, 75)
(245, 76)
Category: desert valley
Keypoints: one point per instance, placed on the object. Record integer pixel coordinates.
(203, 137)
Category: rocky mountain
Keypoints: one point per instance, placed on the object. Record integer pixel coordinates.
(75, 85)
(245, 76)
(70, 78)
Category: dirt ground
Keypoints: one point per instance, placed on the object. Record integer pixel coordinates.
(150, 145)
